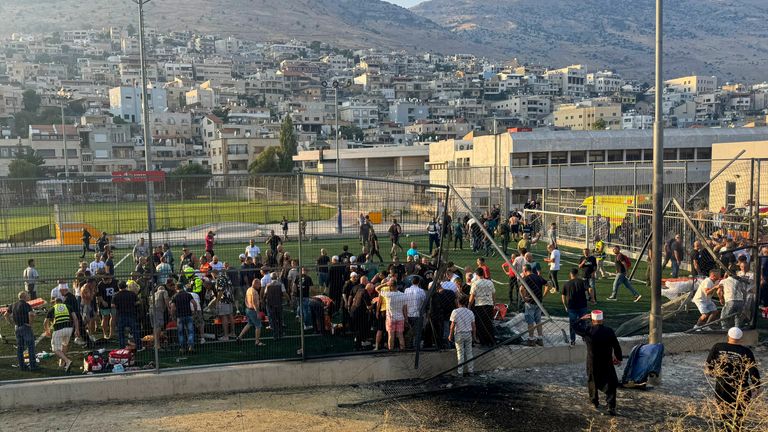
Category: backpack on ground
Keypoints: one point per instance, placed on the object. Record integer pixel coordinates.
(93, 362)
(122, 357)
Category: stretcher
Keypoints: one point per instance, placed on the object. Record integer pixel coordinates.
(38, 306)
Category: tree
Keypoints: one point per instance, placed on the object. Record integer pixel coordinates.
(268, 161)
(131, 30)
(31, 100)
(288, 144)
(353, 133)
(599, 124)
(25, 168)
(222, 113)
(189, 179)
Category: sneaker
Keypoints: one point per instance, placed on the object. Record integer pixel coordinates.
(540, 342)
(68, 366)
(224, 339)
(637, 299)
(202, 341)
(531, 342)
(308, 328)
(612, 298)
(612, 412)
(190, 351)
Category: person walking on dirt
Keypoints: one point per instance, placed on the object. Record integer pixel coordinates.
(603, 355)
(737, 378)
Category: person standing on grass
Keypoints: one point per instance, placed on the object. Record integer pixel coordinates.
(88, 307)
(59, 325)
(182, 306)
(458, 234)
(161, 304)
(599, 252)
(703, 299)
(397, 311)
(576, 293)
(588, 264)
(503, 232)
(284, 227)
(210, 241)
(415, 297)
(102, 242)
(373, 244)
(252, 251)
(163, 271)
(364, 224)
(106, 289)
(622, 267)
(273, 241)
(140, 250)
(20, 314)
(482, 297)
(125, 303)
(433, 231)
(225, 300)
(603, 354)
(395, 231)
(86, 239)
(273, 298)
(737, 378)
(252, 307)
(31, 277)
(463, 331)
(552, 235)
(484, 267)
(554, 264)
(532, 311)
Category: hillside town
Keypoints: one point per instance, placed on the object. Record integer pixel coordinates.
(218, 102)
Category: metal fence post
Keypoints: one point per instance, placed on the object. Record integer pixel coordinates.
(634, 214)
(300, 305)
(756, 240)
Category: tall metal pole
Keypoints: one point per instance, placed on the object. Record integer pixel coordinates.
(66, 149)
(654, 334)
(147, 139)
(338, 160)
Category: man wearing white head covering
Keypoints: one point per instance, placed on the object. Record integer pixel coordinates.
(603, 354)
(738, 380)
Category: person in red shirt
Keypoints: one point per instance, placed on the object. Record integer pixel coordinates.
(209, 241)
(482, 265)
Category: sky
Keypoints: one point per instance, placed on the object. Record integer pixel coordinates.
(405, 3)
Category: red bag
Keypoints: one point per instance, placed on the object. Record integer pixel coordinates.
(122, 357)
(93, 362)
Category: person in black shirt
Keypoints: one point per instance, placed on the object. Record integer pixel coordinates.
(345, 254)
(125, 303)
(273, 241)
(373, 244)
(442, 303)
(86, 239)
(322, 268)
(701, 260)
(738, 380)
(22, 316)
(102, 242)
(72, 304)
(106, 288)
(575, 296)
(588, 264)
(336, 279)
(360, 307)
(182, 305)
(603, 354)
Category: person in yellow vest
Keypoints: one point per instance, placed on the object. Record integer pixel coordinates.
(62, 321)
(599, 252)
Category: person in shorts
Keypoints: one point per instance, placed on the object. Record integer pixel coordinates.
(703, 299)
(532, 312)
(252, 306)
(397, 311)
(225, 306)
(160, 306)
(60, 324)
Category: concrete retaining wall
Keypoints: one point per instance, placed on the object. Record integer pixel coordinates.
(312, 373)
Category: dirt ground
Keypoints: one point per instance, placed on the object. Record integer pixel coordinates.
(547, 399)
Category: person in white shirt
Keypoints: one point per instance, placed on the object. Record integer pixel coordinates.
(414, 297)
(450, 283)
(731, 296)
(703, 299)
(252, 250)
(216, 264)
(56, 292)
(31, 277)
(397, 310)
(554, 264)
(96, 265)
(482, 297)
(463, 331)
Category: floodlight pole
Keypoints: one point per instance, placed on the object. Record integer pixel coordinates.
(655, 322)
(338, 160)
(145, 124)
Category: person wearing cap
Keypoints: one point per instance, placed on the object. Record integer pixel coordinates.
(603, 354)
(737, 378)
(59, 325)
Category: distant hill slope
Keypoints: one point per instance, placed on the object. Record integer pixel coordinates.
(348, 23)
(728, 38)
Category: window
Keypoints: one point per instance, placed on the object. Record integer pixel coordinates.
(703, 154)
(615, 155)
(730, 195)
(687, 153)
(520, 159)
(596, 156)
(539, 158)
(559, 158)
(647, 155)
(578, 157)
(670, 154)
(633, 155)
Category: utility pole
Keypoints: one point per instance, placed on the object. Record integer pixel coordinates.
(145, 124)
(338, 161)
(654, 334)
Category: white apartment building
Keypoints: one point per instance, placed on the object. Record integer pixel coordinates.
(526, 108)
(406, 112)
(695, 84)
(125, 102)
(362, 115)
(604, 82)
(633, 120)
(570, 80)
(172, 71)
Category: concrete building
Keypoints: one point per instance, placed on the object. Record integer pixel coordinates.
(529, 109)
(359, 114)
(233, 156)
(527, 161)
(438, 130)
(125, 102)
(570, 80)
(732, 188)
(604, 82)
(633, 120)
(48, 142)
(695, 84)
(583, 115)
(172, 71)
(11, 100)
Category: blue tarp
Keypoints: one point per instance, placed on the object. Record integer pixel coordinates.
(644, 360)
